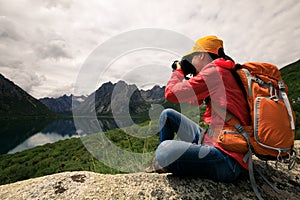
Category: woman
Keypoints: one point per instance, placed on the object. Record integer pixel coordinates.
(197, 153)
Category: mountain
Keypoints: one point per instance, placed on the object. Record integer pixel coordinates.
(63, 104)
(114, 99)
(291, 76)
(104, 96)
(15, 102)
(155, 95)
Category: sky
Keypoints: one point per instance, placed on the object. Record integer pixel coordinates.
(46, 46)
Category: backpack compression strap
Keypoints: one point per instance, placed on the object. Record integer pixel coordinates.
(287, 103)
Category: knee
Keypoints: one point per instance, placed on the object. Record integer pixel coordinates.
(170, 150)
(163, 152)
(162, 149)
(166, 113)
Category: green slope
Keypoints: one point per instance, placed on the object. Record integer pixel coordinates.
(291, 76)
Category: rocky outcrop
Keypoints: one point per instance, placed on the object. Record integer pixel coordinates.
(89, 185)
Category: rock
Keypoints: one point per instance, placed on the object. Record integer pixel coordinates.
(90, 185)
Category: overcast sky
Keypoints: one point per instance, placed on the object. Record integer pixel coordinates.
(45, 43)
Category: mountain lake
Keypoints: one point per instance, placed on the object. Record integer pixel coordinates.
(19, 135)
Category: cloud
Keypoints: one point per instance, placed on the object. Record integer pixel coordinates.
(51, 39)
(56, 49)
(58, 90)
(8, 29)
(65, 4)
(28, 80)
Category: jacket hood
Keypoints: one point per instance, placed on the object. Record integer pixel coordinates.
(221, 62)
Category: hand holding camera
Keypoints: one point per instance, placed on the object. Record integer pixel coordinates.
(188, 69)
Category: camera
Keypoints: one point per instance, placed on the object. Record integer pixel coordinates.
(188, 69)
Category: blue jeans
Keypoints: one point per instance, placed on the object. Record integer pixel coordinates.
(187, 156)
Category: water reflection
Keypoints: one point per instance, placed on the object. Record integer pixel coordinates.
(19, 135)
(39, 139)
(14, 132)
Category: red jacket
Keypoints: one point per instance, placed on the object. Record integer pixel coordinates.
(217, 82)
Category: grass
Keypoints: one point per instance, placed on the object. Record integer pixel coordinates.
(65, 155)
(72, 155)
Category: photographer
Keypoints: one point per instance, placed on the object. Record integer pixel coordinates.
(196, 153)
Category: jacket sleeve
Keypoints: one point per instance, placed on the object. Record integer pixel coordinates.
(192, 91)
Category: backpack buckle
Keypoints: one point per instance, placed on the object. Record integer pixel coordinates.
(239, 127)
(273, 92)
(258, 80)
(281, 85)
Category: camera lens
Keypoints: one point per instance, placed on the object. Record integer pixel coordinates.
(174, 65)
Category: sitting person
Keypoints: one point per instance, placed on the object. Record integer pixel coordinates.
(197, 153)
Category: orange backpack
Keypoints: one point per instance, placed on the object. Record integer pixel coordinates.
(271, 133)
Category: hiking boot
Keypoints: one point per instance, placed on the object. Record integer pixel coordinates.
(155, 168)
